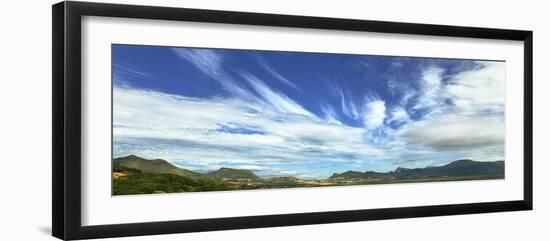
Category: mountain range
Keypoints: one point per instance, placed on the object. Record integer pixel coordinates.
(159, 166)
(136, 175)
(459, 168)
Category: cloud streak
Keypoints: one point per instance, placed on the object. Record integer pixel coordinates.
(348, 106)
(277, 101)
(276, 74)
(206, 60)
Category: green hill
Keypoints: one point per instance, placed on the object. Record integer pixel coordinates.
(137, 175)
(225, 173)
(147, 183)
(288, 179)
(156, 166)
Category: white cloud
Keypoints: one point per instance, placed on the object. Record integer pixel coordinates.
(457, 132)
(399, 115)
(473, 91)
(158, 125)
(479, 90)
(374, 113)
(430, 88)
(472, 123)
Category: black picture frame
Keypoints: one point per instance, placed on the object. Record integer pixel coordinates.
(66, 157)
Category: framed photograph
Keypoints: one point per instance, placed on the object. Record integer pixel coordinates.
(169, 120)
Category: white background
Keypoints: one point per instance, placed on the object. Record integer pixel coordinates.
(25, 124)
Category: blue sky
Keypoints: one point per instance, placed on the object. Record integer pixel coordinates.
(304, 114)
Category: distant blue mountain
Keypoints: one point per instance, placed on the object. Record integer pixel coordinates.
(459, 168)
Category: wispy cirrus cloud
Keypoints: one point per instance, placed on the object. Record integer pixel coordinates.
(210, 63)
(276, 74)
(348, 106)
(329, 114)
(276, 100)
(206, 60)
(130, 71)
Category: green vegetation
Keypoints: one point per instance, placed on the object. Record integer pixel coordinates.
(225, 173)
(147, 183)
(135, 181)
(135, 175)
